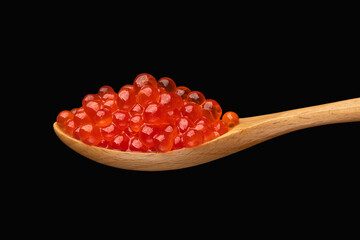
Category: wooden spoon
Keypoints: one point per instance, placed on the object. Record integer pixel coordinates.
(250, 131)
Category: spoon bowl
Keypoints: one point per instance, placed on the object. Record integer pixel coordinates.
(249, 132)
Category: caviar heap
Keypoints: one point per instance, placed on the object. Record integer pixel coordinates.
(147, 116)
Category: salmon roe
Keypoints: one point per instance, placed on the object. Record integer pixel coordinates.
(231, 119)
(146, 116)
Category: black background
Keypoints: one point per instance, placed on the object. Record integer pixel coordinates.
(251, 65)
(257, 72)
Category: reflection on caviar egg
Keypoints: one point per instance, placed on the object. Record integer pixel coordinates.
(192, 110)
(126, 99)
(196, 97)
(212, 110)
(146, 116)
(120, 142)
(103, 117)
(63, 117)
(146, 95)
(231, 119)
(154, 114)
(167, 83)
(110, 132)
(182, 91)
(142, 80)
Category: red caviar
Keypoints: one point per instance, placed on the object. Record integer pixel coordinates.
(231, 119)
(146, 116)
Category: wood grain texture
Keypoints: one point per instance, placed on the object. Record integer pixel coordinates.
(249, 132)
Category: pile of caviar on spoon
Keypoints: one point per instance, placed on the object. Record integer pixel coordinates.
(147, 116)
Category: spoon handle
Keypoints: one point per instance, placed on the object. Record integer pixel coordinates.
(336, 112)
(272, 125)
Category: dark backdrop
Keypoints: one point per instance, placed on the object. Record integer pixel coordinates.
(250, 73)
(248, 76)
(251, 66)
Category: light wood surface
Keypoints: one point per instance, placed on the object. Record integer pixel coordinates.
(249, 132)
